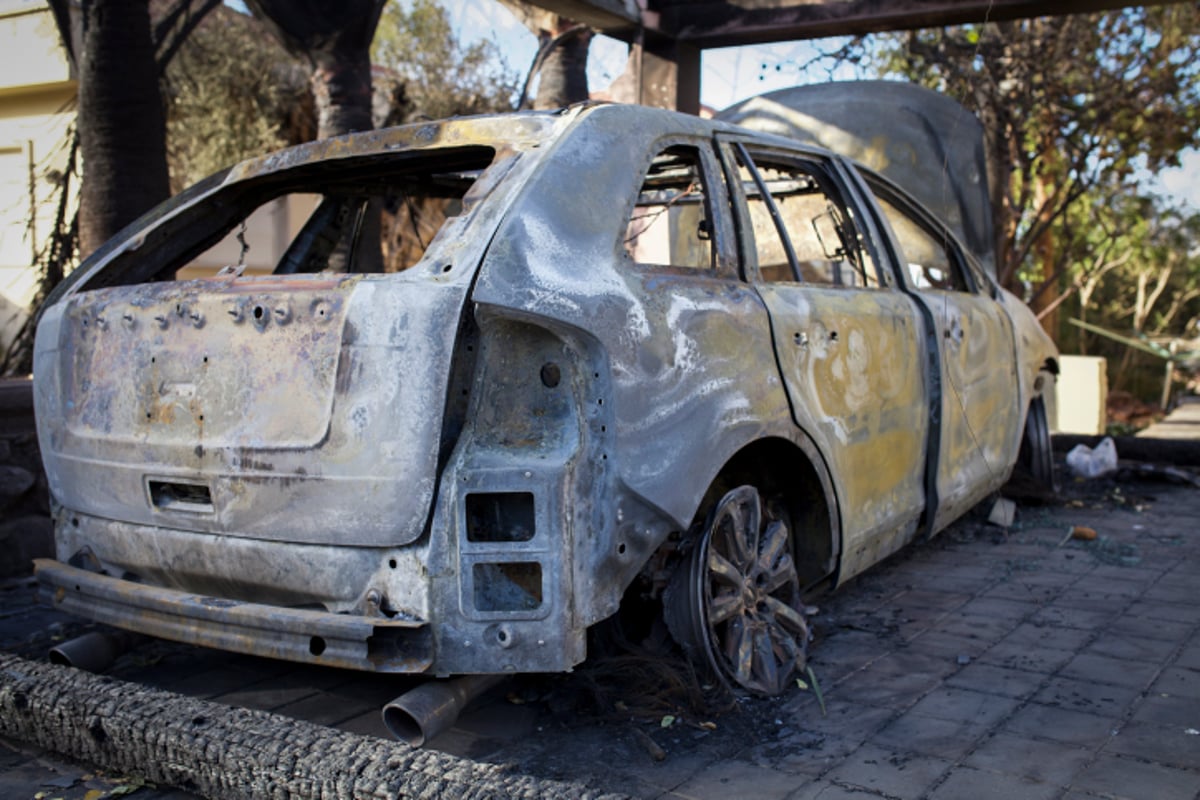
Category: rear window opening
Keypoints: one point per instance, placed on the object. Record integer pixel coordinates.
(370, 214)
(381, 225)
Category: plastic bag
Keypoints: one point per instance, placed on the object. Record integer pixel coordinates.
(1087, 462)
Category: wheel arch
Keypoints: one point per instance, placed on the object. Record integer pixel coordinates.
(794, 469)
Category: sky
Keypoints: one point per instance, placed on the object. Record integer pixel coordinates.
(727, 74)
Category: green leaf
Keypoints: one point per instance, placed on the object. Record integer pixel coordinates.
(812, 676)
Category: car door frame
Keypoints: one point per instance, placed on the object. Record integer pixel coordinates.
(955, 495)
(869, 532)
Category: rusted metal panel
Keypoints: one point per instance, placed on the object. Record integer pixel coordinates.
(337, 640)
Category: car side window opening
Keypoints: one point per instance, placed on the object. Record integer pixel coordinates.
(928, 255)
(671, 224)
(813, 219)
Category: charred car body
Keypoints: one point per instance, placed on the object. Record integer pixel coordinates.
(636, 348)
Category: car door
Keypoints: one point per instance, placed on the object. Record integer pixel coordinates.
(849, 345)
(980, 405)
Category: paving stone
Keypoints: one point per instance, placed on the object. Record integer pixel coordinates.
(1093, 698)
(805, 753)
(28, 778)
(1023, 590)
(1108, 604)
(825, 790)
(967, 782)
(1178, 682)
(325, 708)
(1001, 608)
(1102, 669)
(948, 646)
(896, 773)
(1032, 635)
(208, 683)
(1036, 575)
(374, 690)
(845, 718)
(369, 723)
(949, 581)
(1170, 612)
(930, 736)
(1183, 575)
(1066, 617)
(962, 705)
(675, 770)
(1044, 660)
(1136, 625)
(890, 681)
(267, 698)
(940, 563)
(991, 679)
(1062, 725)
(1180, 712)
(1164, 745)
(843, 652)
(739, 778)
(1045, 762)
(1107, 587)
(1189, 657)
(1133, 648)
(1129, 779)
(1071, 559)
(1173, 594)
(933, 599)
(978, 627)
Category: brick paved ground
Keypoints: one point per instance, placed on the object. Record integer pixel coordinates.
(980, 665)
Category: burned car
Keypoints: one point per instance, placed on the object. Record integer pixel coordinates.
(509, 367)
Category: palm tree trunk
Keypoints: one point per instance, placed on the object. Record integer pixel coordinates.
(122, 125)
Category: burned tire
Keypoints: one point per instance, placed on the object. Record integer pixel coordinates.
(734, 601)
(1036, 458)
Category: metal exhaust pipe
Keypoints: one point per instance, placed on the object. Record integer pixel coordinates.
(95, 651)
(432, 708)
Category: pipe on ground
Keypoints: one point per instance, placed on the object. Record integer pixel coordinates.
(420, 714)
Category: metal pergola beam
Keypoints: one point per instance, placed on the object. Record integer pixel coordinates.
(709, 23)
(669, 35)
(722, 23)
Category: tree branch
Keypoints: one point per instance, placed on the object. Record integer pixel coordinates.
(179, 35)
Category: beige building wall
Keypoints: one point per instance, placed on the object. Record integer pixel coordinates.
(37, 106)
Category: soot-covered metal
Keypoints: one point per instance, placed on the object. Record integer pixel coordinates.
(510, 370)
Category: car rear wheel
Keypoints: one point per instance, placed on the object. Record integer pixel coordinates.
(734, 601)
(1037, 452)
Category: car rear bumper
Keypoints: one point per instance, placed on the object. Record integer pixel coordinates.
(315, 637)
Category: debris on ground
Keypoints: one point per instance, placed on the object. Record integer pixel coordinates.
(1089, 462)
